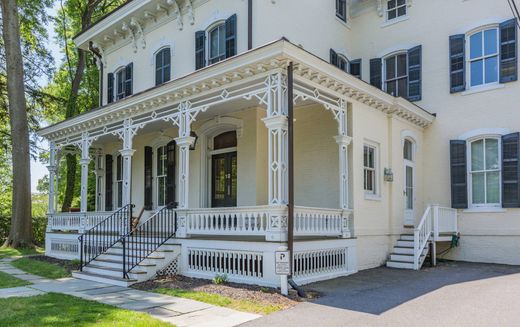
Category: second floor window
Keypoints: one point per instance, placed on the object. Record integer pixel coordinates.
(350, 66)
(162, 66)
(217, 43)
(341, 9)
(395, 9)
(483, 57)
(396, 75)
(120, 83)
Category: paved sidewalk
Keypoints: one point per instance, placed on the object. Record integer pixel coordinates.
(178, 311)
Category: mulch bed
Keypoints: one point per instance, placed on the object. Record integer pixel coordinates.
(235, 291)
(69, 265)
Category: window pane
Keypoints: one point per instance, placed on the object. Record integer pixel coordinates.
(401, 2)
(160, 192)
(492, 187)
(391, 4)
(371, 161)
(392, 14)
(477, 72)
(477, 188)
(490, 42)
(491, 154)
(401, 65)
(401, 11)
(476, 45)
(477, 155)
(407, 150)
(409, 187)
(365, 156)
(214, 43)
(402, 86)
(222, 40)
(492, 70)
(390, 68)
(391, 88)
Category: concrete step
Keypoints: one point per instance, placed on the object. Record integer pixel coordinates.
(399, 264)
(104, 279)
(118, 263)
(112, 272)
(401, 257)
(119, 256)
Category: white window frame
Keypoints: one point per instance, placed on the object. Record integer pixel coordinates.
(155, 174)
(121, 70)
(210, 29)
(375, 193)
(396, 8)
(483, 57)
(383, 73)
(155, 63)
(469, 172)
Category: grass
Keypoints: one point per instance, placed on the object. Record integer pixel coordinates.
(59, 310)
(221, 301)
(6, 252)
(7, 281)
(41, 268)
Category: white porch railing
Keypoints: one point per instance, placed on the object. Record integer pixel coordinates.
(75, 221)
(268, 221)
(435, 220)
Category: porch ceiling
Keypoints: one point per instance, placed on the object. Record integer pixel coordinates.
(235, 78)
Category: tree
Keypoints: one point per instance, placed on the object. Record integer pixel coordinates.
(21, 221)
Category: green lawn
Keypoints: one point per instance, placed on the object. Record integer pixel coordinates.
(41, 268)
(6, 252)
(222, 301)
(7, 281)
(59, 310)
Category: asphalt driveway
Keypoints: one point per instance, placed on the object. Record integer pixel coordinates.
(451, 294)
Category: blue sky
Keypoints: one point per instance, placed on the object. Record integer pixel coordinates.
(37, 169)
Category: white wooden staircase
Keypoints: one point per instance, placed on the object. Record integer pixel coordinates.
(437, 224)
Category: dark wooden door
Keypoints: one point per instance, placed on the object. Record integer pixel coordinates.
(224, 180)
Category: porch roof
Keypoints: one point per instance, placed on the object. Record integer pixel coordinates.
(308, 69)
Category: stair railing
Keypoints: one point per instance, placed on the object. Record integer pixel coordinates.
(104, 235)
(146, 238)
(421, 236)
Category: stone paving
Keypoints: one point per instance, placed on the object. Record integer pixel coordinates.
(177, 311)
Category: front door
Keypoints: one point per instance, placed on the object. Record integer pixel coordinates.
(224, 180)
(409, 195)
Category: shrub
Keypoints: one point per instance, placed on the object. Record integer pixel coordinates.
(220, 279)
(39, 226)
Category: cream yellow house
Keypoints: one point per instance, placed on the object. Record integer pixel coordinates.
(404, 138)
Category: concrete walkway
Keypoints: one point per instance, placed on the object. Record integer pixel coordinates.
(451, 294)
(178, 311)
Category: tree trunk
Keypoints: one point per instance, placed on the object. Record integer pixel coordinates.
(20, 234)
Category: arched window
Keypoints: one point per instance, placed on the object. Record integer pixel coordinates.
(217, 43)
(396, 74)
(162, 66)
(484, 172)
(408, 150)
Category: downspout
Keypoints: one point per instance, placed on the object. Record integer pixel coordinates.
(99, 57)
(290, 205)
(249, 24)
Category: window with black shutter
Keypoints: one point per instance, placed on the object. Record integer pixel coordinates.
(458, 171)
(375, 72)
(508, 51)
(129, 75)
(231, 36)
(110, 88)
(414, 73)
(108, 183)
(355, 68)
(510, 171)
(341, 9)
(162, 66)
(333, 58)
(457, 63)
(170, 172)
(148, 178)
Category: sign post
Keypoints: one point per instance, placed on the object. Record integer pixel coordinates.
(282, 267)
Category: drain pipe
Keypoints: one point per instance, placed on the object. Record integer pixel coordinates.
(290, 205)
(99, 57)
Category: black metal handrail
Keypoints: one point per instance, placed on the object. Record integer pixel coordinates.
(146, 238)
(104, 235)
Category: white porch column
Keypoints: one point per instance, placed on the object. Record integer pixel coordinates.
(126, 155)
(84, 162)
(343, 141)
(184, 144)
(52, 167)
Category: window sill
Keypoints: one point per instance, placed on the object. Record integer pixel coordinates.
(484, 88)
(484, 210)
(394, 21)
(373, 197)
(344, 23)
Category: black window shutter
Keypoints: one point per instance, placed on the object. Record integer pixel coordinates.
(414, 73)
(108, 183)
(148, 163)
(510, 171)
(231, 36)
(355, 68)
(508, 51)
(129, 74)
(167, 61)
(159, 68)
(457, 63)
(341, 9)
(200, 47)
(459, 184)
(333, 58)
(375, 72)
(170, 173)
(110, 87)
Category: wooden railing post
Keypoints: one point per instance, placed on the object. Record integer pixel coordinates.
(435, 208)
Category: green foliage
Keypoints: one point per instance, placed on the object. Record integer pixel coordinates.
(59, 310)
(220, 279)
(221, 301)
(7, 252)
(41, 268)
(7, 281)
